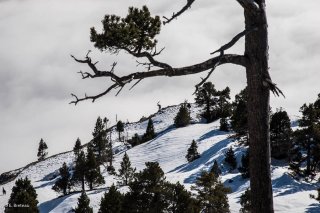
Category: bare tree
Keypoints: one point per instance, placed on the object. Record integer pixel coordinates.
(141, 44)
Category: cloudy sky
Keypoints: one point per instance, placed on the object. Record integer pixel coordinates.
(38, 74)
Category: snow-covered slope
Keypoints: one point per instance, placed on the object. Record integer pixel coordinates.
(169, 149)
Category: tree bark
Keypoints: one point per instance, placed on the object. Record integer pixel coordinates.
(256, 49)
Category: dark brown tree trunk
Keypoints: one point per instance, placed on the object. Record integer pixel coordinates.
(256, 49)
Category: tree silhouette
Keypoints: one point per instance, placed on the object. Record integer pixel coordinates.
(23, 193)
(63, 184)
(42, 153)
(120, 128)
(77, 148)
(126, 172)
(83, 204)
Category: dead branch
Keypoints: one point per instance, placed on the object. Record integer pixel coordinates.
(233, 41)
(135, 84)
(175, 15)
(273, 87)
(150, 57)
(170, 72)
(98, 73)
(203, 80)
(93, 98)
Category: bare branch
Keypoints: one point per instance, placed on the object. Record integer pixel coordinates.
(93, 98)
(135, 84)
(119, 91)
(170, 72)
(98, 73)
(85, 75)
(273, 87)
(233, 41)
(175, 15)
(147, 65)
(150, 57)
(203, 80)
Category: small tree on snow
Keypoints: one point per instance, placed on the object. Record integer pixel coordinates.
(63, 184)
(80, 170)
(83, 204)
(93, 174)
(23, 193)
(193, 153)
(77, 148)
(224, 126)
(42, 153)
(126, 172)
(183, 116)
(211, 194)
(111, 202)
(120, 128)
(216, 169)
(150, 134)
(244, 168)
(99, 142)
(230, 158)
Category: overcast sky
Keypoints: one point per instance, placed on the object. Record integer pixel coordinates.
(38, 74)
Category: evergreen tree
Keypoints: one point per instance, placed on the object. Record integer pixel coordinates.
(83, 204)
(215, 103)
(211, 194)
(224, 125)
(306, 141)
(223, 105)
(179, 200)
(126, 172)
(99, 143)
(193, 153)
(135, 140)
(77, 148)
(25, 195)
(42, 153)
(150, 134)
(120, 128)
(239, 117)
(80, 170)
(280, 134)
(244, 168)
(146, 191)
(230, 158)
(304, 153)
(245, 202)
(182, 118)
(206, 98)
(63, 184)
(93, 174)
(111, 202)
(216, 169)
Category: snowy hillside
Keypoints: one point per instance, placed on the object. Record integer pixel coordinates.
(169, 149)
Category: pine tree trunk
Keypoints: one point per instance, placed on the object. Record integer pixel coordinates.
(256, 49)
(308, 156)
(82, 182)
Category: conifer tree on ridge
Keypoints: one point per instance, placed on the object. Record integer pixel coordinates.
(42, 153)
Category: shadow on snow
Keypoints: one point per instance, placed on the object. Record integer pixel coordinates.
(285, 185)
